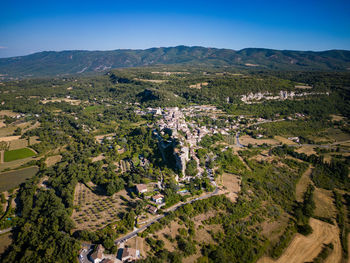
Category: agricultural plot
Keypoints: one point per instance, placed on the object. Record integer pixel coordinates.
(10, 180)
(94, 211)
(246, 139)
(13, 155)
(306, 248)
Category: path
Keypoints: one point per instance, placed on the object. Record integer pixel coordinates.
(237, 140)
(2, 153)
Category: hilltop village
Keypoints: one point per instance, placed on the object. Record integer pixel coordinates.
(175, 165)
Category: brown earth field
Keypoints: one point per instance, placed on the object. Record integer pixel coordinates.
(306, 248)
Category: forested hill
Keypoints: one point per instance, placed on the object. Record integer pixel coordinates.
(50, 63)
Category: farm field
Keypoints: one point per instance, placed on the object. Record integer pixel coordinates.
(306, 248)
(13, 155)
(95, 211)
(246, 139)
(12, 179)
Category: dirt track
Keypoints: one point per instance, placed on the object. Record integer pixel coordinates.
(305, 249)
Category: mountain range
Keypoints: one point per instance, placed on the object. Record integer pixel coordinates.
(52, 63)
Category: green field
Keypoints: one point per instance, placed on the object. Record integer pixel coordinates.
(9, 180)
(18, 154)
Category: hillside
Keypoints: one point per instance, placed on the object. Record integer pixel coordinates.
(50, 63)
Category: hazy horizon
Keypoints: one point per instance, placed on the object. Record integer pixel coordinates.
(30, 27)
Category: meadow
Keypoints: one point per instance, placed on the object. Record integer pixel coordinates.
(18, 154)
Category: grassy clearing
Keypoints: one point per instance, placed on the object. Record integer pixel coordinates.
(231, 186)
(10, 180)
(51, 160)
(302, 184)
(94, 108)
(18, 154)
(324, 202)
(5, 241)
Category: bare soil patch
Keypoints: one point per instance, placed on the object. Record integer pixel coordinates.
(70, 101)
(198, 85)
(99, 138)
(303, 87)
(98, 158)
(337, 117)
(9, 138)
(306, 248)
(8, 113)
(52, 160)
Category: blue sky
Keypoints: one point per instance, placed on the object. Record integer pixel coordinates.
(31, 26)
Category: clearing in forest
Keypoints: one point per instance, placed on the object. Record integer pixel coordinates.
(230, 186)
(52, 160)
(94, 211)
(306, 248)
(302, 184)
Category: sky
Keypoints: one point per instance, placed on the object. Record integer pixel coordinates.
(32, 26)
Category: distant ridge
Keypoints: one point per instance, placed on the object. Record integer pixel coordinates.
(51, 63)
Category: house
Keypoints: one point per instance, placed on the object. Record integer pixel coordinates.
(130, 254)
(97, 255)
(141, 188)
(151, 209)
(158, 198)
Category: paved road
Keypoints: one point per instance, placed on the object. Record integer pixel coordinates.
(135, 232)
(3, 231)
(83, 257)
